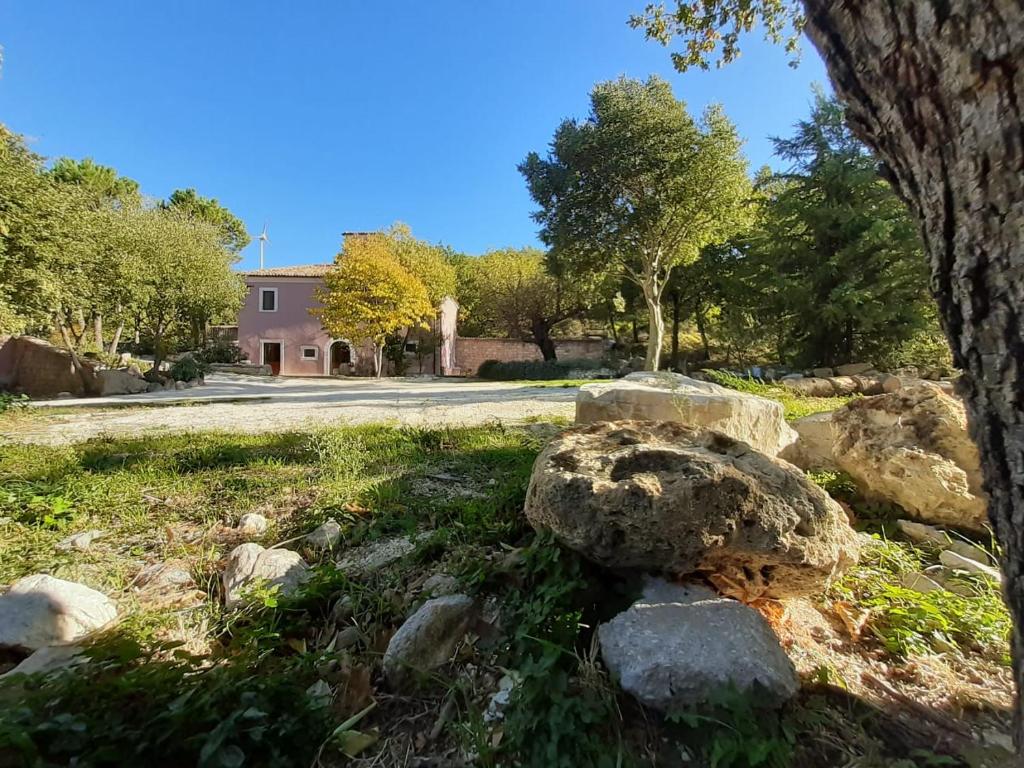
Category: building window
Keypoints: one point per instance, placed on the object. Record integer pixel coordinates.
(268, 299)
(310, 353)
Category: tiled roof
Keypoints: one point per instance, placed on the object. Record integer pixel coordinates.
(298, 270)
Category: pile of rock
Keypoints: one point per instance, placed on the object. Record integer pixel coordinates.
(680, 501)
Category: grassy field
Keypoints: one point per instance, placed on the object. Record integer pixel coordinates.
(185, 683)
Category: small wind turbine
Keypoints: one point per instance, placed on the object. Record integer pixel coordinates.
(263, 241)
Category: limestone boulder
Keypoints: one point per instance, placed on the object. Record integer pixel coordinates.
(813, 447)
(115, 381)
(677, 646)
(250, 564)
(911, 448)
(41, 610)
(673, 397)
(665, 497)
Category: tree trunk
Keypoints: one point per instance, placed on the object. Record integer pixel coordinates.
(76, 363)
(541, 331)
(116, 339)
(655, 328)
(702, 329)
(937, 90)
(674, 360)
(378, 360)
(97, 330)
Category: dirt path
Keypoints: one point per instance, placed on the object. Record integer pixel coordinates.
(280, 405)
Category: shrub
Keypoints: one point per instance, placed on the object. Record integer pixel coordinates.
(12, 402)
(188, 368)
(538, 370)
(221, 351)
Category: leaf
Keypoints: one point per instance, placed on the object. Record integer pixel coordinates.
(354, 742)
(854, 619)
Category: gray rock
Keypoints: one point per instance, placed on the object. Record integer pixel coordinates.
(376, 555)
(854, 369)
(920, 533)
(342, 610)
(179, 385)
(170, 576)
(971, 551)
(41, 610)
(325, 536)
(52, 658)
(252, 524)
(813, 446)
(822, 373)
(249, 564)
(440, 584)
(957, 561)
(428, 638)
(346, 638)
(676, 646)
(919, 582)
(320, 693)
(114, 381)
(664, 497)
(79, 541)
(64, 395)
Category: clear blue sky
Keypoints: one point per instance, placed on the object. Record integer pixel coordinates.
(344, 115)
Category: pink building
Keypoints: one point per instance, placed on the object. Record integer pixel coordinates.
(275, 327)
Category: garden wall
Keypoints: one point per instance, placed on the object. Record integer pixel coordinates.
(471, 352)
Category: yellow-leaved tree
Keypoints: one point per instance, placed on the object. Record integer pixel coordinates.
(370, 295)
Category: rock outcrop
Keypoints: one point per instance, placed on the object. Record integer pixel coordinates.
(673, 397)
(664, 497)
(911, 448)
(41, 610)
(677, 646)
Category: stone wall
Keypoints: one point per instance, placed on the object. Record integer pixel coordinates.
(39, 369)
(470, 353)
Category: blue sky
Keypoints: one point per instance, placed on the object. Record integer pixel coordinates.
(332, 116)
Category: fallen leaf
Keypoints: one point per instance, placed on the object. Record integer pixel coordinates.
(354, 742)
(854, 619)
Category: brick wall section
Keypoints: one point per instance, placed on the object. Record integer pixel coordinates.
(471, 352)
(38, 368)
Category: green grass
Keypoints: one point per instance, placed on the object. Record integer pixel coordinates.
(795, 406)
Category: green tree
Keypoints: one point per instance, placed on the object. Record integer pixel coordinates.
(193, 205)
(933, 89)
(512, 293)
(638, 188)
(101, 181)
(429, 262)
(370, 295)
(835, 261)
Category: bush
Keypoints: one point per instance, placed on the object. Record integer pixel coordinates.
(11, 402)
(189, 368)
(221, 351)
(538, 370)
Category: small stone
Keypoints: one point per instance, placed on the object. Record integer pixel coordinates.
(325, 536)
(957, 561)
(376, 555)
(168, 576)
(919, 533)
(320, 693)
(428, 638)
(822, 373)
(346, 638)
(342, 610)
(971, 551)
(499, 701)
(440, 584)
(64, 395)
(79, 541)
(41, 610)
(179, 385)
(252, 524)
(919, 582)
(250, 563)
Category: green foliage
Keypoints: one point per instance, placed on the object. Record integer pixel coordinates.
(530, 370)
(705, 24)
(206, 209)
(189, 368)
(99, 180)
(732, 731)
(927, 350)
(12, 402)
(637, 189)
(833, 269)
(162, 707)
(394, 352)
(221, 351)
(910, 622)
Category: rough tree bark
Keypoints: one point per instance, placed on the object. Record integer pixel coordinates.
(936, 88)
(540, 330)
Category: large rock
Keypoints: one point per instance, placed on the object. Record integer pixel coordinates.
(41, 610)
(677, 646)
(114, 381)
(428, 638)
(813, 446)
(673, 397)
(39, 369)
(670, 498)
(249, 564)
(911, 448)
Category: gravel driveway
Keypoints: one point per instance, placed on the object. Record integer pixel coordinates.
(251, 404)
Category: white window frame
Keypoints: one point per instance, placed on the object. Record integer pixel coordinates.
(267, 290)
(303, 349)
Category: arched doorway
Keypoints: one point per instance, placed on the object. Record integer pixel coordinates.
(339, 357)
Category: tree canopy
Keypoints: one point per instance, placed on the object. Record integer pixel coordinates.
(638, 188)
(190, 203)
